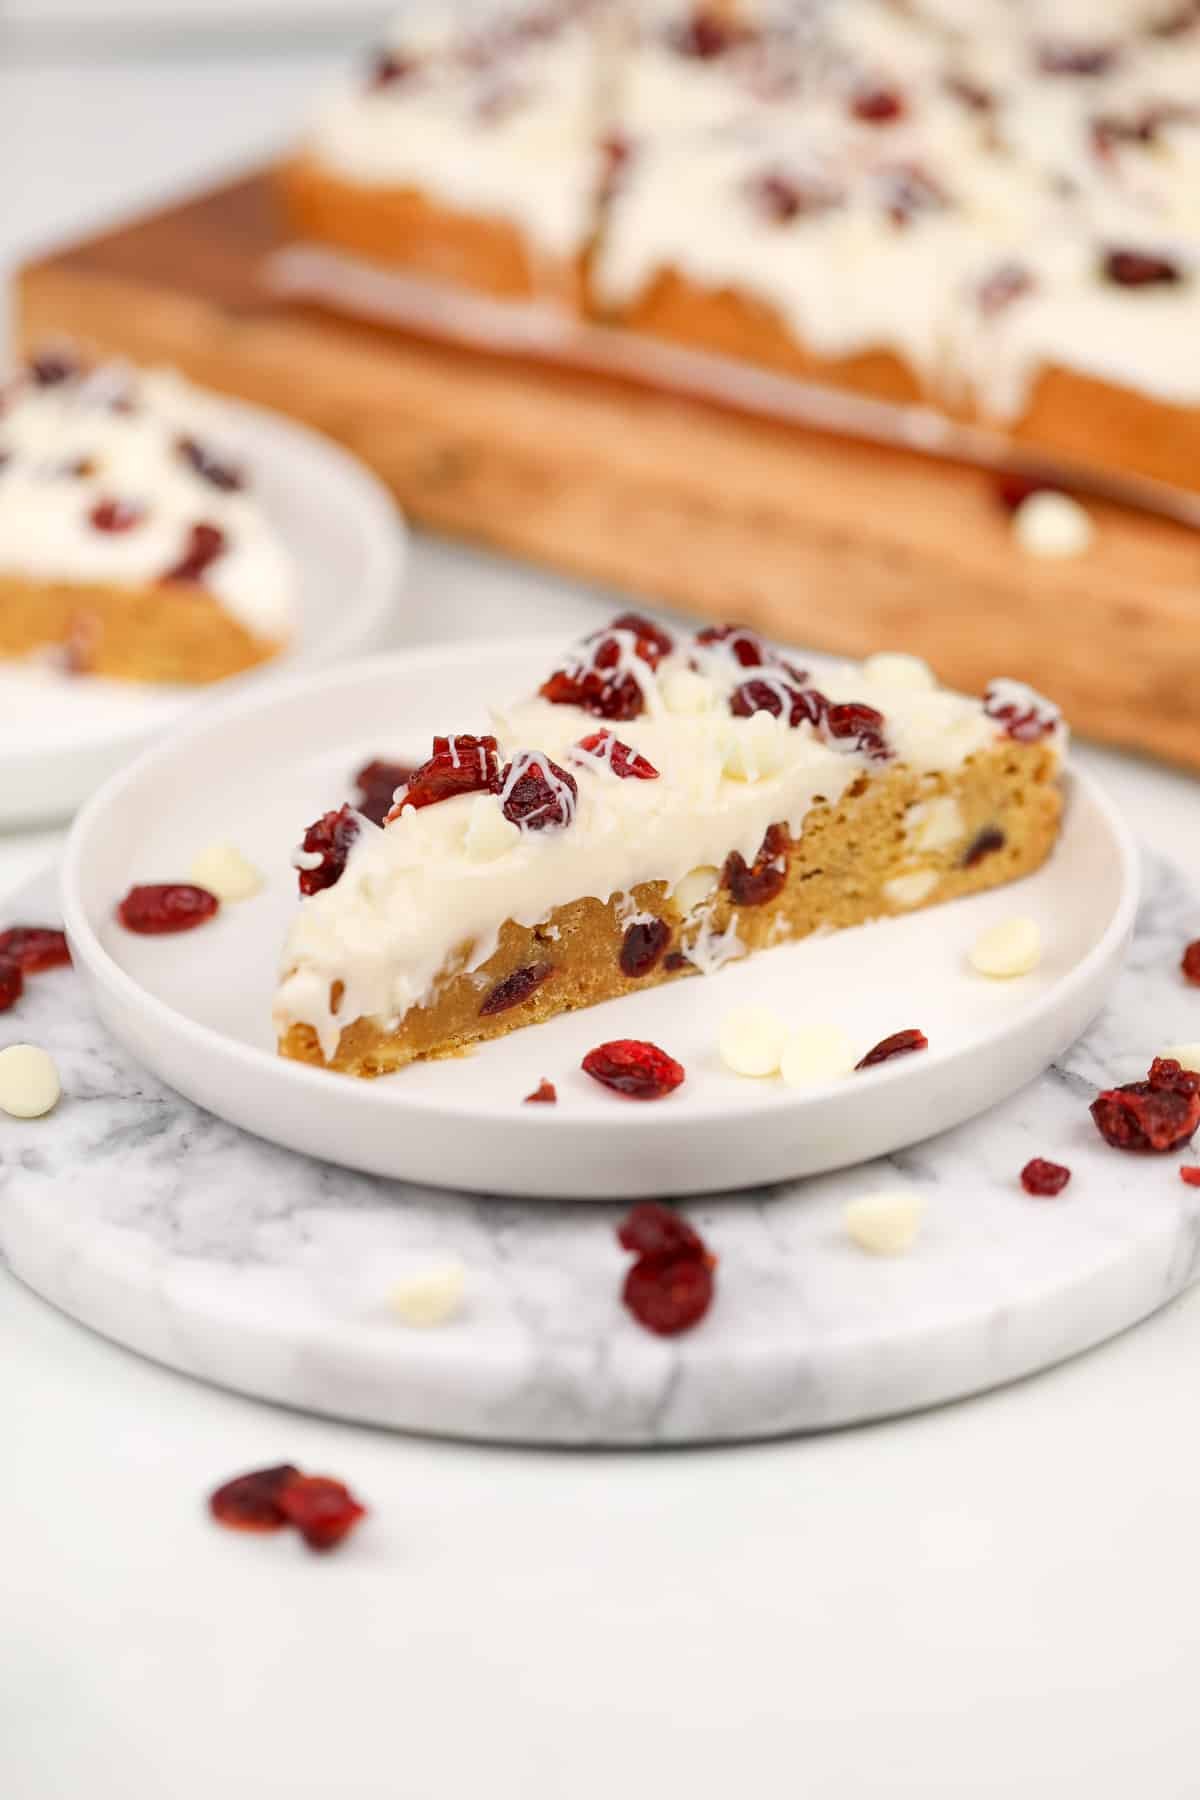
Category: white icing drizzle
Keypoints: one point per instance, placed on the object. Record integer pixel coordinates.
(558, 812)
(415, 902)
(116, 435)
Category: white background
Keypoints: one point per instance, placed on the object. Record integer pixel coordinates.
(996, 1599)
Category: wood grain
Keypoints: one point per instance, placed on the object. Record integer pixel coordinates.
(807, 536)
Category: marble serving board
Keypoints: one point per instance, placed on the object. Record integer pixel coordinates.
(215, 1253)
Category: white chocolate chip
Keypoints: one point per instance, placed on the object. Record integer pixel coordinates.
(489, 834)
(755, 747)
(935, 824)
(891, 669)
(29, 1084)
(686, 692)
(224, 871)
(910, 890)
(887, 1223)
(1049, 524)
(751, 1040)
(432, 1297)
(816, 1053)
(695, 889)
(1013, 947)
(1186, 1055)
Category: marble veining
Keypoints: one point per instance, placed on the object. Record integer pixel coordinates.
(249, 1266)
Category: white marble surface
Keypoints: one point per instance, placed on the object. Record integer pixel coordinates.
(994, 1598)
(247, 1265)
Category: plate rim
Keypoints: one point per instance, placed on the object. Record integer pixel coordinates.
(101, 967)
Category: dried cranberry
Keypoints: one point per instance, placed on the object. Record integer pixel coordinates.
(1190, 963)
(1025, 716)
(515, 988)
(544, 1094)
(205, 544)
(50, 368)
(1160, 1113)
(638, 1070)
(768, 693)
(986, 843)
(599, 680)
(387, 68)
(1076, 59)
(907, 189)
(1191, 1175)
(676, 960)
(377, 783)
(536, 794)
(651, 1229)
(322, 1510)
(997, 291)
(781, 198)
(642, 947)
(218, 474)
(670, 1286)
(624, 761)
(12, 983)
(35, 947)
(668, 1296)
(862, 726)
(901, 1043)
(459, 765)
(115, 515)
(708, 34)
(251, 1502)
(1044, 1178)
(973, 95)
(160, 907)
(1012, 491)
(763, 880)
(878, 105)
(616, 152)
(330, 838)
(1137, 268)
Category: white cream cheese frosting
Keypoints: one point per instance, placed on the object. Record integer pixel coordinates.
(493, 113)
(432, 889)
(81, 447)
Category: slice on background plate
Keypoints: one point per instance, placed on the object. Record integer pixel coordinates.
(154, 540)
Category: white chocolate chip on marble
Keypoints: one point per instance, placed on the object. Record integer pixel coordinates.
(432, 1297)
(886, 1224)
(935, 824)
(29, 1084)
(1049, 524)
(685, 692)
(816, 1053)
(910, 890)
(1013, 947)
(224, 871)
(695, 889)
(1186, 1055)
(891, 669)
(489, 834)
(751, 1040)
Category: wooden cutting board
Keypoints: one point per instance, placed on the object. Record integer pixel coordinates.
(808, 536)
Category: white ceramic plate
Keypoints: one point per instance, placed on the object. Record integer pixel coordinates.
(196, 1008)
(60, 738)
